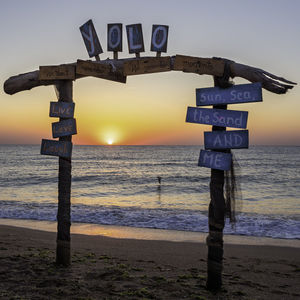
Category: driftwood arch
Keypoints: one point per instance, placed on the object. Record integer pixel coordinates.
(62, 77)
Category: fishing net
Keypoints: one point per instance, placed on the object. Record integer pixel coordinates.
(232, 190)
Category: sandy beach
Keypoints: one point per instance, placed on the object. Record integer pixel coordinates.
(111, 268)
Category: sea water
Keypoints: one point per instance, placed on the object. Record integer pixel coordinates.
(118, 185)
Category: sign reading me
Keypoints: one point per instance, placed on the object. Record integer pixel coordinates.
(215, 160)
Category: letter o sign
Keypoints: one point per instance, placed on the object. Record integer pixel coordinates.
(114, 37)
(159, 39)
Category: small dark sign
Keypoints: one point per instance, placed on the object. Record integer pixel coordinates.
(159, 39)
(135, 38)
(241, 93)
(64, 128)
(114, 37)
(217, 117)
(147, 65)
(56, 148)
(62, 109)
(215, 160)
(61, 72)
(91, 39)
(235, 139)
(100, 70)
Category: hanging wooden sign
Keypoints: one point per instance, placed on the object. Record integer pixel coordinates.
(64, 128)
(61, 72)
(241, 93)
(217, 117)
(99, 70)
(114, 37)
(56, 148)
(62, 109)
(90, 39)
(159, 40)
(147, 65)
(199, 65)
(215, 160)
(135, 38)
(234, 139)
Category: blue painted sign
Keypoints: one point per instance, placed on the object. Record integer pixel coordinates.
(241, 93)
(135, 38)
(215, 160)
(56, 148)
(159, 39)
(114, 37)
(90, 39)
(62, 109)
(64, 128)
(235, 139)
(217, 117)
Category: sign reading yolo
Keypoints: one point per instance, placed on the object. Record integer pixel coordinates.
(159, 39)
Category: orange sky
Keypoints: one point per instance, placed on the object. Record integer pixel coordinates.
(148, 109)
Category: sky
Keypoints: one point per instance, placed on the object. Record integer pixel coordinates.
(148, 109)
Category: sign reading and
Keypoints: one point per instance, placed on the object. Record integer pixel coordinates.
(235, 139)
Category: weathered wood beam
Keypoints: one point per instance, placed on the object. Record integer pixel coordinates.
(197, 65)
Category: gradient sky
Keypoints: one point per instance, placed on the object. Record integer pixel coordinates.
(148, 109)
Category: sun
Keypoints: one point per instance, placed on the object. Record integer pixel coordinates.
(109, 141)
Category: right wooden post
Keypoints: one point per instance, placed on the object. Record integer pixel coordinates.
(216, 214)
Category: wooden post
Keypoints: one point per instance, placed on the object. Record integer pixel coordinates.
(63, 256)
(216, 216)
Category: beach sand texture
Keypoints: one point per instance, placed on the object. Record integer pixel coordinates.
(110, 268)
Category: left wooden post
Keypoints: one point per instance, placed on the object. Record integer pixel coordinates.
(64, 89)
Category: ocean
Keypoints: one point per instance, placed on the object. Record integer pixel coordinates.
(118, 185)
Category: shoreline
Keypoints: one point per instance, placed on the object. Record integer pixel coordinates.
(123, 232)
(121, 268)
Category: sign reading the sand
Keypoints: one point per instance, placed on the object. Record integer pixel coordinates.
(62, 109)
(99, 70)
(199, 65)
(159, 39)
(56, 148)
(241, 93)
(64, 72)
(135, 38)
(64, 128)
(114, 37)
(147, 65)
(90, 39)
(217, 117)
(235, 139)
(215, 160)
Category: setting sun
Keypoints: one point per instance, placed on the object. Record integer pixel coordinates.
(109, 135)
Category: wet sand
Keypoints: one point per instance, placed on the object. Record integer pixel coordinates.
(115, 268)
